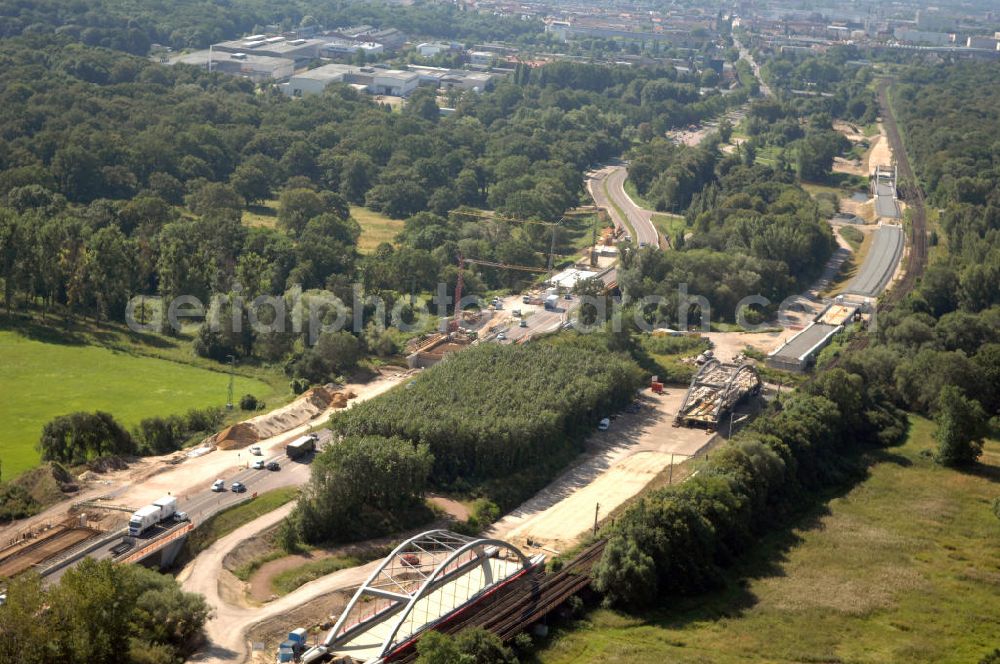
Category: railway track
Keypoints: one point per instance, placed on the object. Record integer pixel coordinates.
(525, 603)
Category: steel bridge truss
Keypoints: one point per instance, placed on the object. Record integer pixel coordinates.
(715, 390)
(421, 583)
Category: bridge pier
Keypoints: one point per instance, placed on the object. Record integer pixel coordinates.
(169, 553)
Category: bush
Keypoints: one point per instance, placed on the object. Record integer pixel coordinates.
(80, 437)
(298, 385)
(248, 402)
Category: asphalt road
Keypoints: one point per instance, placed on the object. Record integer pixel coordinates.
(639, 219)
(884, 255)
(202, 505)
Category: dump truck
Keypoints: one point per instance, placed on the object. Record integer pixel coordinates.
(301, 446)
(150, 515)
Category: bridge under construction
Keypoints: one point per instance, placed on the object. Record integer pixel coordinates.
(714, 391)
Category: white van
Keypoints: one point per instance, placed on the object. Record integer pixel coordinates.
(604, 424)
(219, 485)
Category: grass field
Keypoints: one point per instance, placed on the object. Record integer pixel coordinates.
(40, 380)
(265, 214)
(903, 567)
(375, 228)
(288, 580)
(669, 225)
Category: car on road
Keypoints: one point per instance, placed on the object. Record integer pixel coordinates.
(526, 299)
(258, 464)
(238, 487)
(523, 323)
(516, 313)
(604, 424)
(218, 485)
(501, 337)
(273, 466)
(256, 451)
(181, 517)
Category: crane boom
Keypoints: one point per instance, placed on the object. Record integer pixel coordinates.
(460, 282)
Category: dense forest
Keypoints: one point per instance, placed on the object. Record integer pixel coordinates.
(120, 177)
(753, 232)
(134, 26)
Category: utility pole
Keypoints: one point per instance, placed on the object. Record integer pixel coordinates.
(232, 371)
(671, 478)
(597, 509)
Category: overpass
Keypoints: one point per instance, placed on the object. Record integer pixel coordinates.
(425, 582)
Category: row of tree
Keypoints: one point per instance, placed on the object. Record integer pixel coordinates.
(80, 437)
(678, 539)
(100, 613)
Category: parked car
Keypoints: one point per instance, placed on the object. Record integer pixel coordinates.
(501, 337)
(523, 323)
(181, 517)
(258, 464)
(516, 313)
(218, 485)
(604, 424)
(238, 487)
(256, 451)
(273, 466)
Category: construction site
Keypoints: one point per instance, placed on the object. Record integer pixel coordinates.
(37, 548)
(717, 389)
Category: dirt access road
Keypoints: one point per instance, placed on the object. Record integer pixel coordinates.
(226, 630)
(618, 464)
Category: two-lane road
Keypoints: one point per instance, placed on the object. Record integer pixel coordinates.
(202, 504)
(607, 187)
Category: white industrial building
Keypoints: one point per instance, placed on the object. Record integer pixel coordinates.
(275, 46)
(342, 47)
(429, 50)
(257, 68)
(314, 81)
(392, 82)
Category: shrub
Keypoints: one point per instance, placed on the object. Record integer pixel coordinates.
(248, 402)
(79, 437)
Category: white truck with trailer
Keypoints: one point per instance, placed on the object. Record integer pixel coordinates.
(150, 515)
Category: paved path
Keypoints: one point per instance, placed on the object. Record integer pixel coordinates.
(607, 188)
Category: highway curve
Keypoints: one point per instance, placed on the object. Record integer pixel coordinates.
(607, 187)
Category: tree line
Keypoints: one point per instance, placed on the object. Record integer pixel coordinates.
(100, 613)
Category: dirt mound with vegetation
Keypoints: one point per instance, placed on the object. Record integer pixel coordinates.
(313, 403)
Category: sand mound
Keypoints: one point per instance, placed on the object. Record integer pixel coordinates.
(313, 403)
(238, 435)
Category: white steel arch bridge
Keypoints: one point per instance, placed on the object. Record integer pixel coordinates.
(423, 582)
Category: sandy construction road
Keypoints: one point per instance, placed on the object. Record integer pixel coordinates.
(619, 464)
